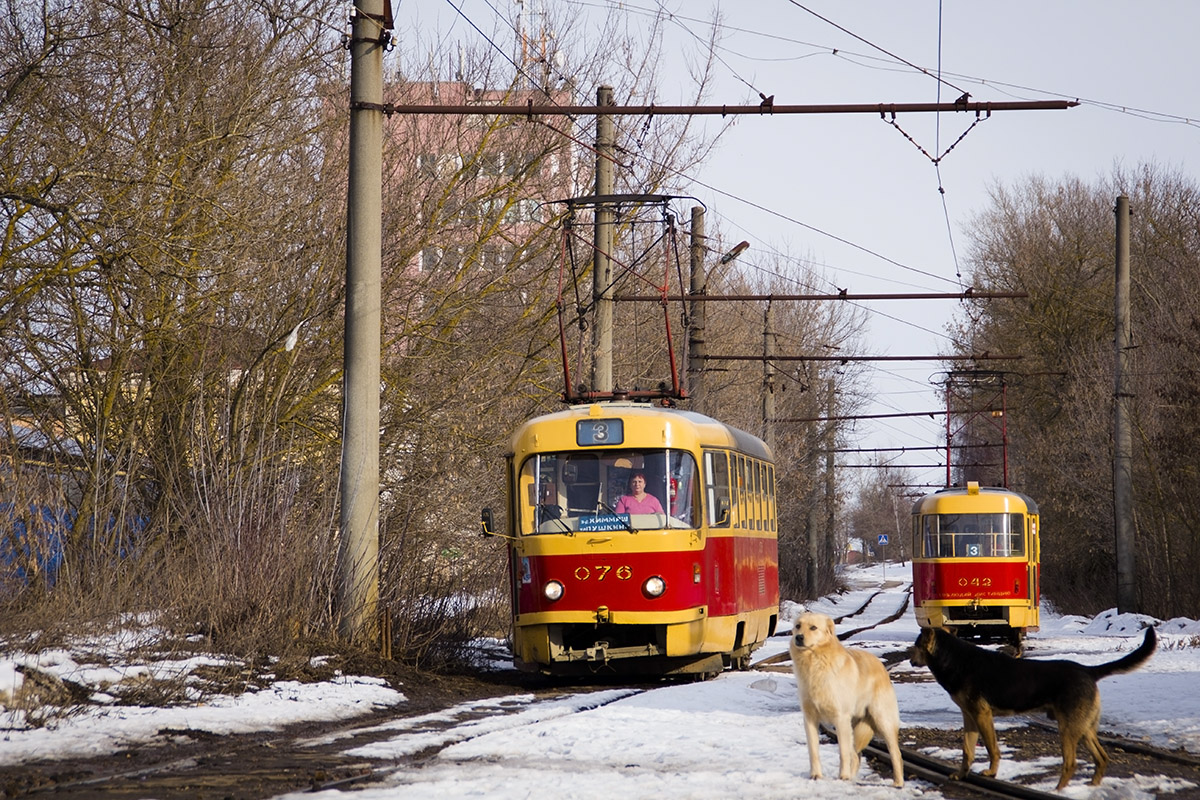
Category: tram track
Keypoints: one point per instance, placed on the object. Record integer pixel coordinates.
(1137, 748)
(939, 772)
(769, 663)
(1036, 746)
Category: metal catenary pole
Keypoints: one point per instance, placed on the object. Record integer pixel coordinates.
(699, 287)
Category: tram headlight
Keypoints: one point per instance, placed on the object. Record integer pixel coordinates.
(654, 586)
(553, 590)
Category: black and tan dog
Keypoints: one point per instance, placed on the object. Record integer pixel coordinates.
(986, 684)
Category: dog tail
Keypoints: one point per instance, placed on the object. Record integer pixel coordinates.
(1129, 662)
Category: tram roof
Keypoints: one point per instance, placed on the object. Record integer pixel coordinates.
(975, 499)
(709, 431)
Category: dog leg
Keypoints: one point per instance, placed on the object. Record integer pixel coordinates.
(970, 737)
(1070, 730)
(987, 730)
(864, 731)
(890, 733)
(814, 743)
(1070, 741)
(893, 745)
(849, 756)
(1098, 753)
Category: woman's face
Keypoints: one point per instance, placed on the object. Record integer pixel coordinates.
(638, 483)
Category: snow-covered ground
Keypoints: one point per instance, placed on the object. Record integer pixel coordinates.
(740, 735)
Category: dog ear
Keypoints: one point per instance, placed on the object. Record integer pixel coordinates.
(830, 628)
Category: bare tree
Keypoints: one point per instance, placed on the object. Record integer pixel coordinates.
(883, 507)
(1055, 241)
(172, 257)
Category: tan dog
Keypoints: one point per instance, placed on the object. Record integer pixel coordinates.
(848, 689)
(985, 684)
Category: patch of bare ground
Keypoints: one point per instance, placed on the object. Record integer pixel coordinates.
(201, 766)
(1030, 743)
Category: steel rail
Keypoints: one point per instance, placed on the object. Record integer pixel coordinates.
(941, 772)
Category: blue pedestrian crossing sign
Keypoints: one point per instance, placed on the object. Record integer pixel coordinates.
(883, 538)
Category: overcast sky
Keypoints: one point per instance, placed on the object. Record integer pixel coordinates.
(852, 194)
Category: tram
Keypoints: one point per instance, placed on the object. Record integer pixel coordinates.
(976, 562)
(683, 581)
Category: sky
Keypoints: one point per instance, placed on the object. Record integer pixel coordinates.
(851, 194)
(738, 735)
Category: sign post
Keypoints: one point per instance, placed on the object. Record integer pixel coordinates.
(883, 540)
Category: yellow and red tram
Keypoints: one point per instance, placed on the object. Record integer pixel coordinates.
(976, 562)
(685, 583)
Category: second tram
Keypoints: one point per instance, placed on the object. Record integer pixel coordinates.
(975, 562)
(684, 581)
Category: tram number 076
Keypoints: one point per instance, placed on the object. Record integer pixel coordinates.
(599, 573)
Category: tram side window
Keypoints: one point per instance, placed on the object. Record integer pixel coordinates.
(741, 492)
(717, 489)
(772, 507)
(768, 499)
(759, 509)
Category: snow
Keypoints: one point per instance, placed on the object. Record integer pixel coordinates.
(739, 735)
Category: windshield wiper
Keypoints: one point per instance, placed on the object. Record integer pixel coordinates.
(618, 517)
(554, 514)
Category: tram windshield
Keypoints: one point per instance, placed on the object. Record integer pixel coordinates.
(972, 535)
(608, 490)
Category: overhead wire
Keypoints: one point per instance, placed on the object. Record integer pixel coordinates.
(937, 164)
(887, 64)
(676, 20)
(888, 53)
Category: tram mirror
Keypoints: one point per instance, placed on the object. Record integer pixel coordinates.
(723, 511)
(488, 524)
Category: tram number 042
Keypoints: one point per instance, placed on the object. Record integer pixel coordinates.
(622, 573)
(975, 582)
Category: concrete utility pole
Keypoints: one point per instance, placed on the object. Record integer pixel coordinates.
(602, 291)
(699, 287)
(358, 547)
(1122, 432)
